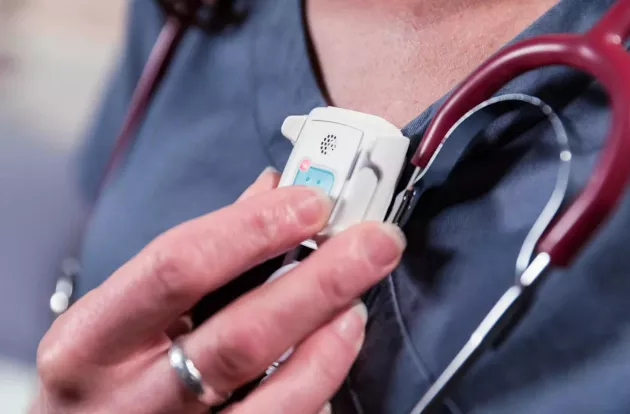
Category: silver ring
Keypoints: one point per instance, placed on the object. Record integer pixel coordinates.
(191, 378)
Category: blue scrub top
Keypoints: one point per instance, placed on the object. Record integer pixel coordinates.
(215, 124)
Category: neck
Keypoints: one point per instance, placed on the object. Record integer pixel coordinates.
(394, 58)
(431, 11)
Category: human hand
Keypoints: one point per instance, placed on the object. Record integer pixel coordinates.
(108, 352)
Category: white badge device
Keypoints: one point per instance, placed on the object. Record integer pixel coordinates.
(354, 157)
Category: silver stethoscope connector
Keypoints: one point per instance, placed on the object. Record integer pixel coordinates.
(61, 299)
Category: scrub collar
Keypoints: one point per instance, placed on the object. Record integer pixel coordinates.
(286, 82)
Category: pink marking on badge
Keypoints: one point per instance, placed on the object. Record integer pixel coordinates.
(305, 165)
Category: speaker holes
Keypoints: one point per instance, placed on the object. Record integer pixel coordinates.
(328, 144)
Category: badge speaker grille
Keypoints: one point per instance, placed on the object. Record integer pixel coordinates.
(328, 144)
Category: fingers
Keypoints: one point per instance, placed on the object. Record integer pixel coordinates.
(175, 271)
(315, 372)
(266, 181)
(241, 341)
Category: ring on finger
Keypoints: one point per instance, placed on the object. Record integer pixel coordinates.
(191, 378)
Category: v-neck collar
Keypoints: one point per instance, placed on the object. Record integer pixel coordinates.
(286, 82)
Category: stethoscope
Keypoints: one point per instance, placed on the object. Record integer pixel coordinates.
(210, 16)
(555, 239)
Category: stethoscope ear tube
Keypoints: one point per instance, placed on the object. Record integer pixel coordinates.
(154, 69)
(462, 136)
(512, 306)
(211, 16)
(600, 53)
(494, 328)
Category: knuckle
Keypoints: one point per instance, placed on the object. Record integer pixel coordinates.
(333, 287)
(329, 373)
(57, 374)
(264, 225)
(173, 269)
(333, 357)
(344, 272)
(364, 247)
(47, 363)
(329, 366)
(368, 236)
(278, 218)
(239, 353)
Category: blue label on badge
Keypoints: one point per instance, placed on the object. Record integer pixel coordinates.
(315, 177)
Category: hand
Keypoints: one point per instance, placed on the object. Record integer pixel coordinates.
(108, 352)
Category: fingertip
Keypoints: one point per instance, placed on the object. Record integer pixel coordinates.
(383, 244)
(350, 326)
(314, 206)
(361, 310)
(269, 170)
(267, 180)
(396, 234)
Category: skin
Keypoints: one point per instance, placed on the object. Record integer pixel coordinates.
(107, 353)
(416, 49)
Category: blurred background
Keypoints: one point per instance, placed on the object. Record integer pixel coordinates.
(55, 57)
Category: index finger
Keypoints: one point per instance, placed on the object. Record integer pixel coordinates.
(176, 270)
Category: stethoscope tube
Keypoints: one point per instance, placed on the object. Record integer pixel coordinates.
(210, 16)
(600, 52)
(511, 307)
(148, 82)
(494, 327)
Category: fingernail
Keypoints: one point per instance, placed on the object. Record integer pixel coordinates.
(268, 170)
(314, 208)
(352, 324)
(383, 251)
(327, 409)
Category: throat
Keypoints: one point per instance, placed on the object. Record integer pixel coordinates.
(394, 59)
